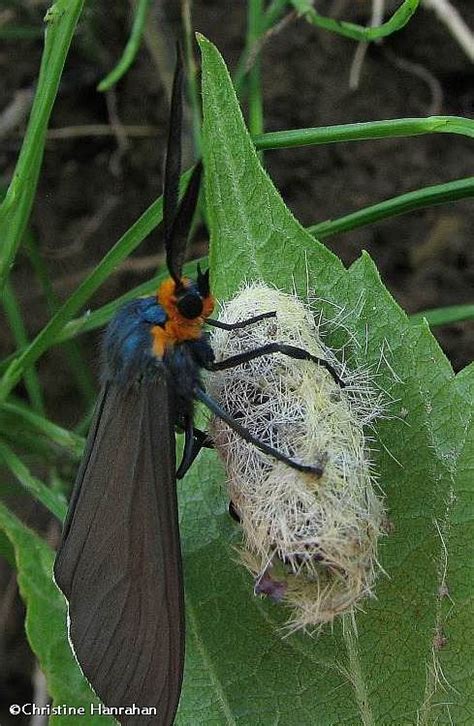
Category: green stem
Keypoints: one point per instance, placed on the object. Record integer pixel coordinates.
(43, 426)
(51, 500)
(15, 210)
(444, 316)
(420, 198)
(269, 19)
(254, 30)
(131, 49)
(367, 130)
(15, 320)
(71, 349)
(357, 32)
(191, 75)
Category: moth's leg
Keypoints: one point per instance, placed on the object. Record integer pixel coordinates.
(241, 323)
(290, 350)
(194, 441)
(317, 470)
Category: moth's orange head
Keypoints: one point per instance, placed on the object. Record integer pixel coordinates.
(187, 305)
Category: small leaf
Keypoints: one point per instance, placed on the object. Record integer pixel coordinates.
(46, 621)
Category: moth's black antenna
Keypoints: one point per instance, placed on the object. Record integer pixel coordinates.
(177, 220)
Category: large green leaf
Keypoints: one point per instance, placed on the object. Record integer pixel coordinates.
(46, 621)
(381, 673)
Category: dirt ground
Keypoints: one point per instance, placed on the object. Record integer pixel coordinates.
(92, 188)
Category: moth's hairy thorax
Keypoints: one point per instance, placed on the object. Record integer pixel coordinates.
(129, 351)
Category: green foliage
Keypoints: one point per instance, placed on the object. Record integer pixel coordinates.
(46, 620)
(61, 20)
(345, 676)
(408, 661)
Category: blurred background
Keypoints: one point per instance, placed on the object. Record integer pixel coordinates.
(103, 167)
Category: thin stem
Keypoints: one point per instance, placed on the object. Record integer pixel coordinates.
(51, 500)
(43, 426)
(15, 210)
(444, 316)
(269, 19)
(17, 327)
(367, 130)
(357, 32)
(71, 349)
(131, 49)
(191, 74)
(420, 198)
(254, 30)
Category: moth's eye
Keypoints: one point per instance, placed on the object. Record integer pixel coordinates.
(190, 305)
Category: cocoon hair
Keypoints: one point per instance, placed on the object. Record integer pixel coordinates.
(309, 541)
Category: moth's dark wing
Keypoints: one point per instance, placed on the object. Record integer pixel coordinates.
(119, 563)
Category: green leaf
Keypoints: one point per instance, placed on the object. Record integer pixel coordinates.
(381, 672)
(46, 621)
(452, 651)
(61, 21)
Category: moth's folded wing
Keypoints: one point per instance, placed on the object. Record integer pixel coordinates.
(119, 564)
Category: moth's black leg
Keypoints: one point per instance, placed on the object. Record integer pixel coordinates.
(241, 323)
(245, 434)
(289, 350)
(194, 441)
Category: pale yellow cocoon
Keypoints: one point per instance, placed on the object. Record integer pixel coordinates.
(316, 536)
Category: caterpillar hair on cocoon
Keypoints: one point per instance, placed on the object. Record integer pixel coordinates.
(309, 540)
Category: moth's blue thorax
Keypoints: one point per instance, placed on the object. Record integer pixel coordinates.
(127, 347)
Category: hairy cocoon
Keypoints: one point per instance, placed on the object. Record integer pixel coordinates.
(309, 541)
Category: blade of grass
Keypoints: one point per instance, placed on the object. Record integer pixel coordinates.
(255, 101)
(418, 199)
(106, 267)
(20, 32)
(72, 351)
(192, 74)
(55, 503)
(64, 438)
(270, 18)
(131, 49)
(351, 30)
(444, 316)
(368, 130)
(15, 210)
(17, 327)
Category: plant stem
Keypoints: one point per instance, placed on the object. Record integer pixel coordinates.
(444, 316)
(357, 32)
(420, 198)
(51, 500)
(15, 320)
(254, 30)
(131, 49)
(15, 210)
(367, 130)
